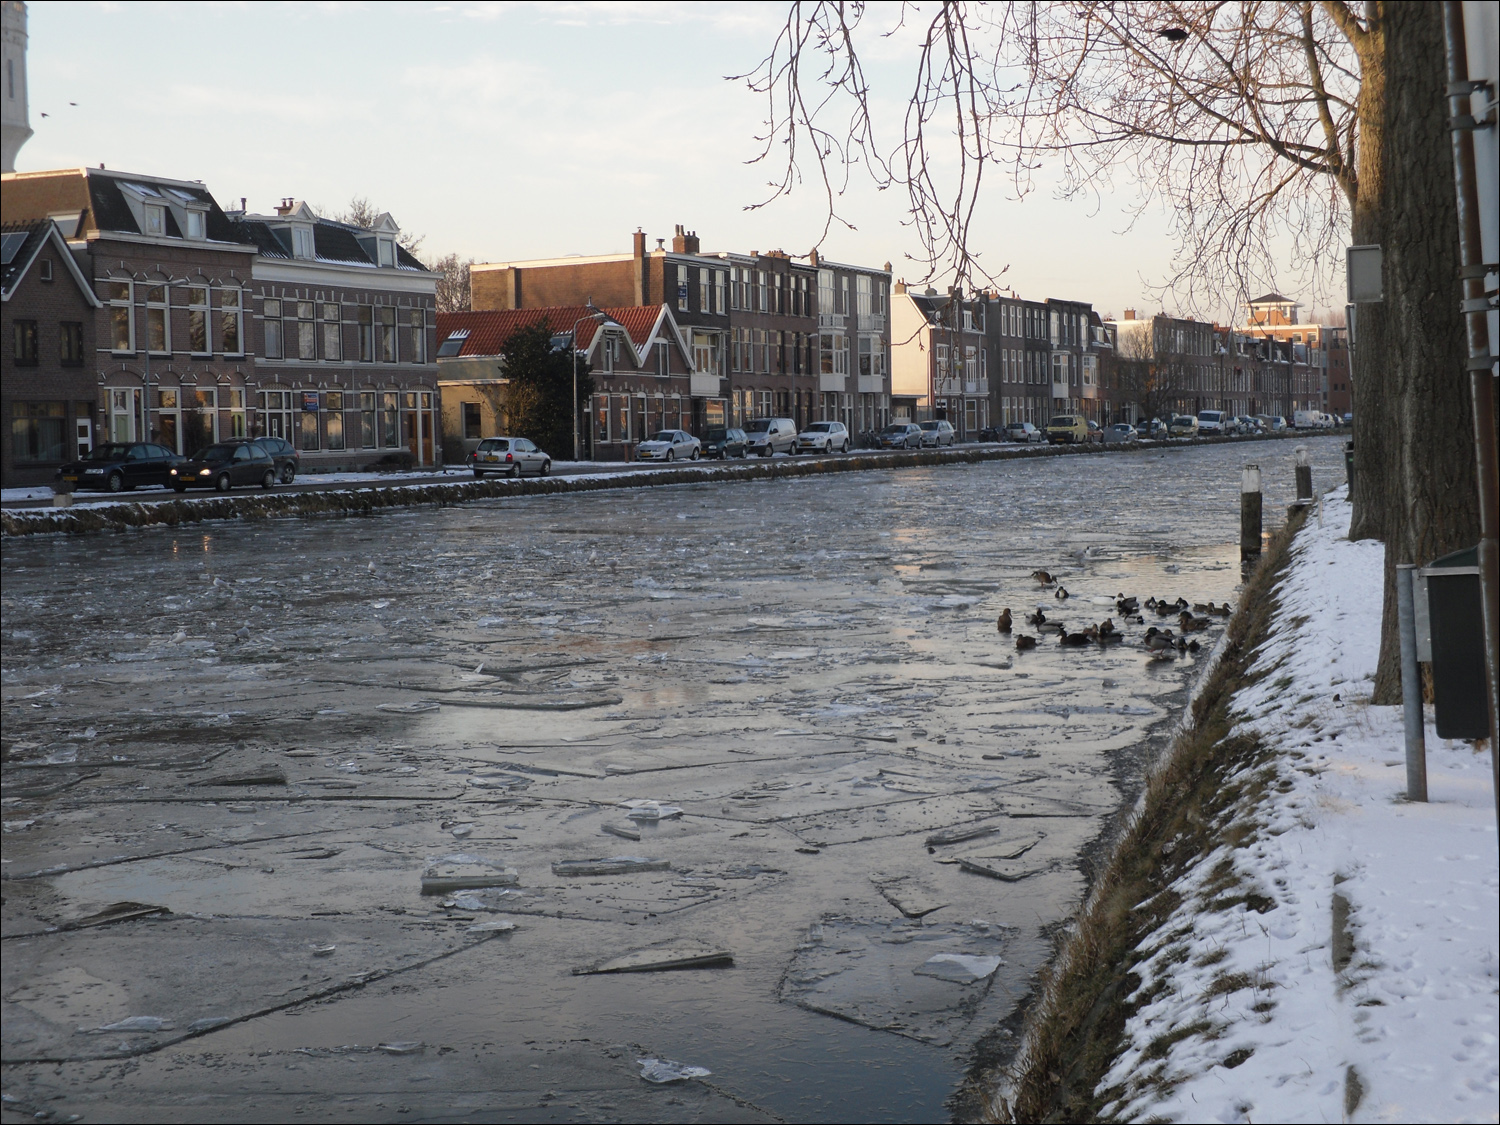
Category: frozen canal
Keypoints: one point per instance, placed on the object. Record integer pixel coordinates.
(808, 669)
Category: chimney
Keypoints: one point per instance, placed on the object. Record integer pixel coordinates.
(1129, 314)
(899, 288)
(679, 241)
(242, 204)
(813, 258)
(690, 242)
(638, 275)
(285, 206)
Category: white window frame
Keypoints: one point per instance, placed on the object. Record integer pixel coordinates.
(202, 309)
(302, 242)
(386, 253)
(163, 306)
(237, 311)
(127, 303)
(155, 219)
(197, 224)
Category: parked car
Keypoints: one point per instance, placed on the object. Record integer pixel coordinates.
(1274, 423)
(1023, 431)
(508, 456)
(1156, 429)
(1067, 428)
(991, 433)
(769, 436)
(669, 445)
(1183, 425)
(723, 442)
(285, 454)
(938, 432)
(1095, 433)
(121, 466)
(901, 435)
(823, 437)
(1211, 422)
(224, 465)
(1306, 420)
(1121, 433)
(1244, 424)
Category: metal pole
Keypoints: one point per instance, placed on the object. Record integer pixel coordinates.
(1411, 687)
(1250, 513)
(1481, 362)
(1303, 473)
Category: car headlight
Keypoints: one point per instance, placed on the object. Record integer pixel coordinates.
(174, 472)
(204, 472)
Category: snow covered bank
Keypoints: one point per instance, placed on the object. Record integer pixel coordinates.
(1326, 950)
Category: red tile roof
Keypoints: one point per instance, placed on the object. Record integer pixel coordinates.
(489, 330)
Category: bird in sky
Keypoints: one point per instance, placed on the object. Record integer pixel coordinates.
(1172, 34)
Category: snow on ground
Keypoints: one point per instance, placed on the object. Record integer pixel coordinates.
(1257, 1022)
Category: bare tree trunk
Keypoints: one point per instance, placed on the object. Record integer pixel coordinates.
(1430, 499)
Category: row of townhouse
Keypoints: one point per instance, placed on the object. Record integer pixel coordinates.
(137, 309)
(763, 334)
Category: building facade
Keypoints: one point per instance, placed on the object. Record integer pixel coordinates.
(47, 386)
(215, 326)
(853, 345)
(940, 358)
(639, 357)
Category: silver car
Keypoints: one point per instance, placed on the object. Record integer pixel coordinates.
(510, 457)
(937, 432)
(823, 437)
(669, 445)
(1120, 434)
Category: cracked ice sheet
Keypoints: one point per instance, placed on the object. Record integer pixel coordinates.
(1415, 1011)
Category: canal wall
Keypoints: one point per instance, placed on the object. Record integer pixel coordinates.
(360, 500)
(1189, 809)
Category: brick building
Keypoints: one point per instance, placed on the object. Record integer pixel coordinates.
(940, 358)
(343, 320)
(751, 322)
(639, 357)
(47, 390)
(1274, 317)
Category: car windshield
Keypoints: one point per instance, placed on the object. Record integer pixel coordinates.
(1061, 420)
(818, 428)
(490, 445)
(717, 433)
(759, 426)
(668, 436)
(895, 428)
(107, 453)
(215, 453)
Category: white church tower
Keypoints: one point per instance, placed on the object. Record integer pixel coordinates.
(17, 120)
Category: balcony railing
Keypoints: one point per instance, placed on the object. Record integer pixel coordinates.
(831, 320)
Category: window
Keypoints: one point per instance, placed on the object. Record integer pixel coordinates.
(156, 219)
(418, 336)
(271, 313)
(236, 404)
(307, 331)
(825, 291)
(307, 422)
(367, 419)
(276, 414)
(862, 296)
(720, 283)
(24, 344)
(231, 322)
(333, 344)
(38, 431)
(662, 371)
(365, 318)
(302, 242)
(880, 299)
(390, 428)
(385, 320)
(471, 420)
(70, 343)
(121, 317)
(387, 252)
(44, 269)
(968, 319)
(158, 329)
(843, 296)
(761, 292)
(705, 290)
(195, 224)
(197, 299)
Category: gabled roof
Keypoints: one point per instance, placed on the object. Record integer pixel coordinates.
(333, 242)
(642, 325)
(1272, 298)
(23, 242)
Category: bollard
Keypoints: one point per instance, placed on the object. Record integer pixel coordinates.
(1349, 465)
(62, 499)
(1250, 513)
(1304, 475)
(1411, 686)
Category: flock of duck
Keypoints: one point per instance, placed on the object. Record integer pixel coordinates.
(1160, 641)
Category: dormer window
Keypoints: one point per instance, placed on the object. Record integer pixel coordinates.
(302, 242)
(156, 219)
(387, 252)
(195, 224)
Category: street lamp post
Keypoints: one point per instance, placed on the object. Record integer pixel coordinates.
(598, 318)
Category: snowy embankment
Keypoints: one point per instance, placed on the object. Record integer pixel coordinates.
(1353, 975)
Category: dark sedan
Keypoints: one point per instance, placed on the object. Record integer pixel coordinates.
(724, 442)
(900, 435)
(121, 466)
(225, 465)
(285, 454)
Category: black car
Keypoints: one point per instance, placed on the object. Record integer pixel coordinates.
(285, 454)
(225, 465)
(121, 466)
(724, 442)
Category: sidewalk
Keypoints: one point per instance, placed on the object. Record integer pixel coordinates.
(1341, 963)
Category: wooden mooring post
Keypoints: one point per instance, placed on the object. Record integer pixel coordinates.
(1250, 513)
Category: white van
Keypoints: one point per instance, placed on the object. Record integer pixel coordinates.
(1210, 421)
(769, 436)
(1307, 419)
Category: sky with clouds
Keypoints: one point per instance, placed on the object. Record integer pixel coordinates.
(506, 131)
